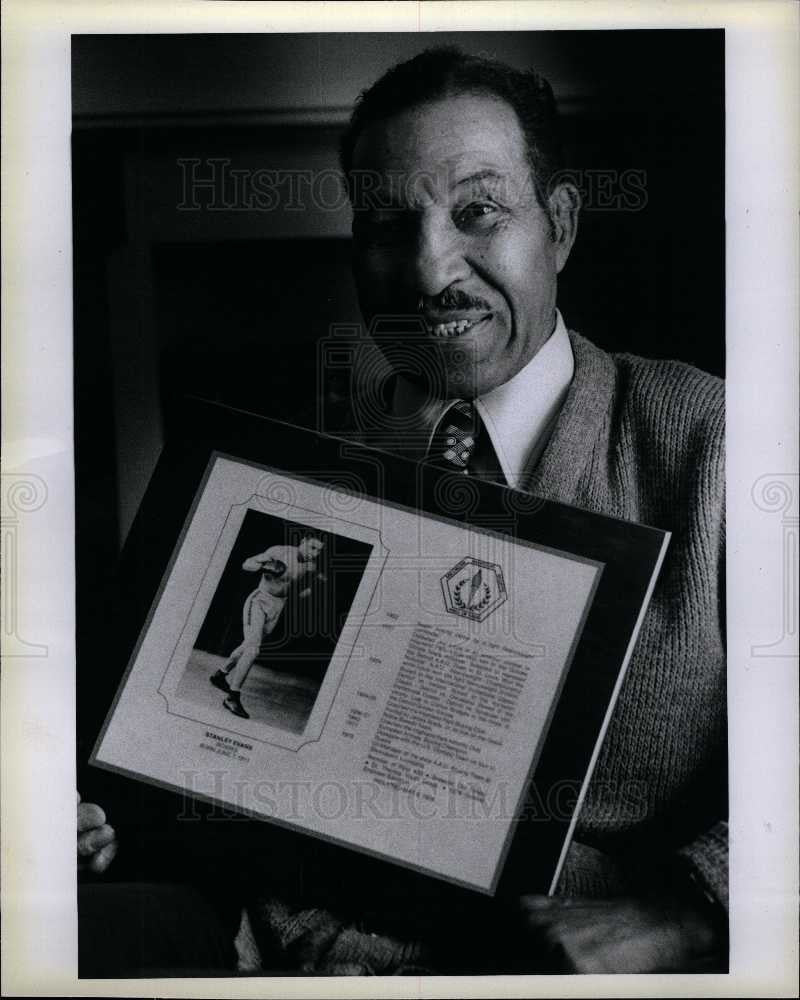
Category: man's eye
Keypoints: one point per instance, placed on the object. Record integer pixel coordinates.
(476, 213)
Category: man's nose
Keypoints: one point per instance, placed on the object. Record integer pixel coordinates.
(438, 258)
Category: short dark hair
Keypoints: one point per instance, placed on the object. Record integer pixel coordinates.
(445, 71)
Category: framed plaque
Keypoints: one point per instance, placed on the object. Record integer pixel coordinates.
(389, 656)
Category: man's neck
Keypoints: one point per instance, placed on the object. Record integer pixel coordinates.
(517, 415)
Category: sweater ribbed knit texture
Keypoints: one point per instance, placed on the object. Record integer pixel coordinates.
(644, 441)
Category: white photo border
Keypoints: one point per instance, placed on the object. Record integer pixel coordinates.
(38, 859)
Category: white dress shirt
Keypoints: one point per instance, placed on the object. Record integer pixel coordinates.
(518, 415)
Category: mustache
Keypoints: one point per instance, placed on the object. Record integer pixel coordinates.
(451, 300)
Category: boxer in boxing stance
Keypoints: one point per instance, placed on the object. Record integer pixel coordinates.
(284, 569)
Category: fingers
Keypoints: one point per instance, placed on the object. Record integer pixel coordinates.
(89, 816)
(95, 840)
(104, 857)
(601, 936)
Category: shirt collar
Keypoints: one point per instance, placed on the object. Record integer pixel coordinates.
(518, 415)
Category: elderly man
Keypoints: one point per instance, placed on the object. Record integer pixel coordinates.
(461, 223)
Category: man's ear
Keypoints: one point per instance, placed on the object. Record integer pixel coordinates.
(564, 204)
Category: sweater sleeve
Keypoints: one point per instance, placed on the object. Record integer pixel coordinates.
(592, 873)
(707, 855)
(707, 859)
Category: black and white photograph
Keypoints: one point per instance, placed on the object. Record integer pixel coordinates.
(473, 667)
(265, 644)
(517, 196)
(568, 349)
(495, 290)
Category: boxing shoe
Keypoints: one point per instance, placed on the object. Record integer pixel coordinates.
(234, 704)
(219, 680)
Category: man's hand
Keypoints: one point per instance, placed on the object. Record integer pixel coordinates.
(620, 935)
(97, 842)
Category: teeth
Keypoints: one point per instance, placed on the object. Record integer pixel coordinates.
(451, 329)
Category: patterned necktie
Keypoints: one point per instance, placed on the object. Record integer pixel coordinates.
(455, 437)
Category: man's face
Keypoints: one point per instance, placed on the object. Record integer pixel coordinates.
(310, 548)
(454, 232)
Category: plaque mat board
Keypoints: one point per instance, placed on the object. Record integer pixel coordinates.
(449, 646)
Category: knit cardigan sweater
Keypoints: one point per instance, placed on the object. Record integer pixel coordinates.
(644, 441)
